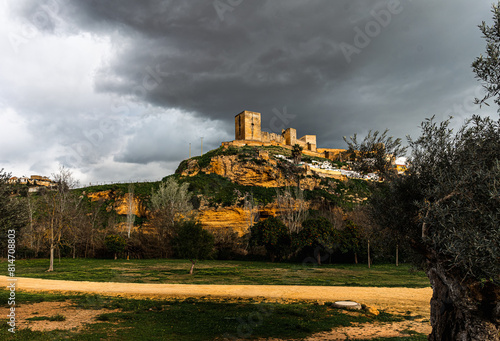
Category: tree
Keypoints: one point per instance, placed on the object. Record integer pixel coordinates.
(376, 153)
(115, 244)
(171, 202)
(13, 213)
(130, 209)
(274, 236)
(192, 242)
(486, 67)
(351, 237)
(293, 209)
(297, 153)
(318, 234)
(58, 203)
(447, 206)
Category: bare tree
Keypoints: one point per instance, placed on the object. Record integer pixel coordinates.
(58, 202)
(130, 209)
(250, 207)
(90, 229)
(293, 209)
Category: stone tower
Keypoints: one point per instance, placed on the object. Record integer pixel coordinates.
(290, 136)
(247, 126)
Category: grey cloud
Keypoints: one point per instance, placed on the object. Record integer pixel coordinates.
(269, 55)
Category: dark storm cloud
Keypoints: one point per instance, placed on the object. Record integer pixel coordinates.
(307, 59)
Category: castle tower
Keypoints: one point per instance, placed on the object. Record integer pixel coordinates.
(247, 126)
(290, 136)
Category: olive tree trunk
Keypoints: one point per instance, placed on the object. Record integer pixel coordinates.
(462, 311)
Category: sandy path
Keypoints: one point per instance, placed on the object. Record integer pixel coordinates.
(394, 300)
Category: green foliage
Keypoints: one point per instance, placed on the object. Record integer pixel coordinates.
(172, 197)
(351, 238)
(375, 153)
(273, 235)
(141, 189)
(296, 153)
(57, 317)
(192, 241)
(486, 67)
(317, 232)
(204, 160)
(338, 192)
(219, 190)
(13, 214)
(115, 243)
(216, 189)
(448, 203)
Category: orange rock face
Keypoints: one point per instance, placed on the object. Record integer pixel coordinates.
(233, 218)
(121, 203)
(248, 173)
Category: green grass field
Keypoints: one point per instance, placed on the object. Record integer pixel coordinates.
(193, 319)
(222, 272)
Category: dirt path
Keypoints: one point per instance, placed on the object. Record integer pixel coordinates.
(392, 300)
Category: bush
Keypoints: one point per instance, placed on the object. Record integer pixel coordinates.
(115, 244)
(273, 235)
(192, 241)
(317, 234)
(229, 245)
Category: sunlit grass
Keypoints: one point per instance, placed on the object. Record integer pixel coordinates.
(171, 271)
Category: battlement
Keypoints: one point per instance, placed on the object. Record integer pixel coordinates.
(248, 132)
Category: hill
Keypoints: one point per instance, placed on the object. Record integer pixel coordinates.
(223, 180)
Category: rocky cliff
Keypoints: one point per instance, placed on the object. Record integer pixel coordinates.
(256, 168)
(221, 180)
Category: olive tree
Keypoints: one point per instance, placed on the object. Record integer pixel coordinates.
(376, 153)
(486, 66)
(448, 207)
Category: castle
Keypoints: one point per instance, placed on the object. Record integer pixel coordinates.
(248, 132)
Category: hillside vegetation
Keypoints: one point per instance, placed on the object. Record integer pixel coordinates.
(231, 190)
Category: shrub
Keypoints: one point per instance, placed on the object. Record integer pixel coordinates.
(115, 244)
(273, 235)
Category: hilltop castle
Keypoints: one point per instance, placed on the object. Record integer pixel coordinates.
(248, 132)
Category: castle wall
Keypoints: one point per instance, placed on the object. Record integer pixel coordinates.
(309, 139)
(310, 142)
(268, 137)
(330, 153)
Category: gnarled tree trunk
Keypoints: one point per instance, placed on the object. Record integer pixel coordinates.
(461, 310)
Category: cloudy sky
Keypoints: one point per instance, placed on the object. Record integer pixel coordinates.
(117, 90)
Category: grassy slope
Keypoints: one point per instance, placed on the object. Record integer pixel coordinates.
(222, 272)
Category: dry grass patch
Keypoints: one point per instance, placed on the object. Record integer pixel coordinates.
(75, 318)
